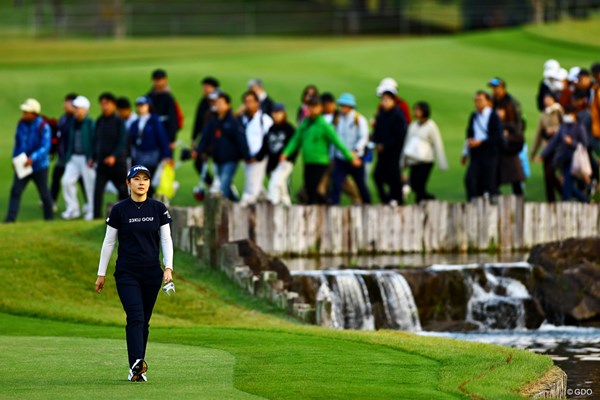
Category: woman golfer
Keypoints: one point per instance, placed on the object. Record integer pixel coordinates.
(139, 223)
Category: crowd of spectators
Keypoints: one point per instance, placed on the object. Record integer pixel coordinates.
(338, 142)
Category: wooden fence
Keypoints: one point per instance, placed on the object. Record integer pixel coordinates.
(434, 226)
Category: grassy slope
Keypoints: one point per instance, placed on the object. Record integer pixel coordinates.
(45, 293)
(445, 71)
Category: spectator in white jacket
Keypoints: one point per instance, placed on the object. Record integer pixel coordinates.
(423, 145)
(353, 130)
(256, 125)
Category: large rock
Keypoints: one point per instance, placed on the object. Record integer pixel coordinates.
(259, 261)
(441, 298)
(567, 280)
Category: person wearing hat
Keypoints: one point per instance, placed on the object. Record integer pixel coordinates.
(510, 167)
(353, 130)
(32, 138)
(390, 85)
(141, 225)
(110, 152)
(275, 141)
(148, 139)
(79, 161)
(266, 103)
(314, 137)
(165, 106)
(551, 68)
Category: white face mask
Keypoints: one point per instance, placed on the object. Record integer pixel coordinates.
(569, 118)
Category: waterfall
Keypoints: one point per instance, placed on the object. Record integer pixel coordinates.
(352, 299)
(498, 304)
(344, 300)
(398, 301)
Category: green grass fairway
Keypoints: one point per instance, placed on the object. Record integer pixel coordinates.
(34, 364)
(61, 340)
(442, 70)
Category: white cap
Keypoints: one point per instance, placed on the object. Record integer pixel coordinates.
(561, 74)
(381, 89)
(573, 74)
(81, 102)
(389, 82)
(31, 105)
(551, 65)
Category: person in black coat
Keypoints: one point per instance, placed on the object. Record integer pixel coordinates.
(482, 148)
(224, 140)
(164, 104)
(204, 112)
(389, 135)
(110, 152)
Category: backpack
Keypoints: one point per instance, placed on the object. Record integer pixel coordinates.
(179, 113)
(54, 134)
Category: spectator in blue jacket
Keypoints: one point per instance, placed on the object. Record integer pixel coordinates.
(32, 138)
(64, 126)
(562, 148)
(224, 140)
(148, 138)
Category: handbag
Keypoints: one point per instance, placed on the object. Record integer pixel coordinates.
(418, 149)
(581, 168)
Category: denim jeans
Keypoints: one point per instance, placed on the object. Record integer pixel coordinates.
(570, 188)
(343, 168)
(41, 182)
(226, 172)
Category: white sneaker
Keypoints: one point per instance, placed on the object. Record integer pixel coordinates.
(70, 215)
(86, 208)
(138, 370)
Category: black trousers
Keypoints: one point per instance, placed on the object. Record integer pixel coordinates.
(138, 289)
(313, 173)
(419, 175)
(387, 173)
(40, 178)
(482, 176)
(551, 183)
(116, 174)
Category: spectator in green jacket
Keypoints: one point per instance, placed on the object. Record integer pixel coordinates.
(314, 136)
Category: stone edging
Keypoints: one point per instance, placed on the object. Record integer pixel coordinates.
(552, 385)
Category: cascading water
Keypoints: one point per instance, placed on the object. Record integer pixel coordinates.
(499, 304)
(344, 300)
(352, 298)
(398, 301)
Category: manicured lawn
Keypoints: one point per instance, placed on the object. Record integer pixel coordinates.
(59, 339)
(442, 70)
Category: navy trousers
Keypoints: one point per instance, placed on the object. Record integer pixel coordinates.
(40, 178)
(343, 168)
(138, 288)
